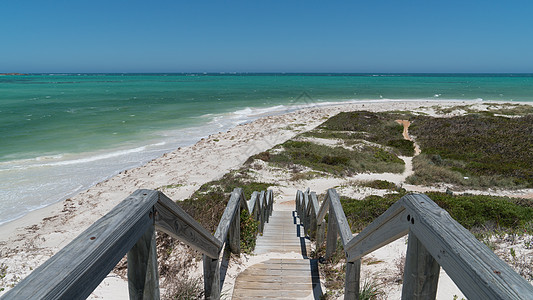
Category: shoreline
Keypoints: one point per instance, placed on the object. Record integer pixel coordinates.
(58, 172)
(30, 240)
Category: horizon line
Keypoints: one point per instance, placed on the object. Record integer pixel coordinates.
(277, 73)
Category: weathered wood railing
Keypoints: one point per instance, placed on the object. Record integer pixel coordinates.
(435, 240)
(129, 228)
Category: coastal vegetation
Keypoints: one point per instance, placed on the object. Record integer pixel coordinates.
(474, 150)
(380, 128)
(208, 203)
(338, 161)
(206, 206)
(489, 218)
(478, 150)
(471, 211)
(365, 142)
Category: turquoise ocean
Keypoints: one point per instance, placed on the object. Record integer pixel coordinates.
(62, 133)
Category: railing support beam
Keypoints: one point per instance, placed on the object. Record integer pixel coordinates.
(331, 243)
(211, 278)
(235, 233)
(421, 274)
(352, 279)
(143, 277)
(320, 233)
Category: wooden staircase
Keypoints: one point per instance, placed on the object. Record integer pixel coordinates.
(281, 278)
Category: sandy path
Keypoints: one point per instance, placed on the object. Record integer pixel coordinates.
(406, 124)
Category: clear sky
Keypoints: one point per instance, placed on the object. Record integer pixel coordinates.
(266, 36)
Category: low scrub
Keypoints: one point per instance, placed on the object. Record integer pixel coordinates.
(360, 213)
(470, 211)
(380, 128)
(235, 179)
(338, 160)
(430, 169)
(208, 203)
(478, 210)
(248, 229)
(379, 184)
(478, 146)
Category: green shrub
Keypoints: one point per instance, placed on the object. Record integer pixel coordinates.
(380, 128)
(478, 210)
(493, 149)
(360, 213)
(380, 184)
(469, 210)
(206, 208)
(406, 147)
(338, 160)
(235, 179)
(248, 230)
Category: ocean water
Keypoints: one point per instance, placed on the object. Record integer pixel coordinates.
(62, 133)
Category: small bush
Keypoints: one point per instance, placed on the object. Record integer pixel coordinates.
(405, 147)
(338, 160)
(380, 184)
(264, 156)
(494, 149)
(248, 230)
(379, 128)
(206, 208)
(469, 210)
(360, 213)
(430, 169)
(186, 288)
(477, 210)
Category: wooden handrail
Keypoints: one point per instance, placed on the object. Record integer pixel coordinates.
(173, 220)
(77, 269)
(129, 228)
(435, 240)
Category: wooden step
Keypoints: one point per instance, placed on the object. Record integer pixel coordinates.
(280, 278)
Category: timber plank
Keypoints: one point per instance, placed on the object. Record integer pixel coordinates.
(279, 278)
(173, 220)
(77, 269)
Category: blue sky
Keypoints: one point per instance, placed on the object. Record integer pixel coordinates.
(266, 36)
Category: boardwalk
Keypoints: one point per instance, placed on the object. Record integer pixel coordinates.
(280, 278)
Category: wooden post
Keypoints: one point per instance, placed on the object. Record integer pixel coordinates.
(267, 207)
(235, 233)
(313, 215)
(271, 202)
(352, 279)
(331, 239)
(320, 232)
(261, 212)
(143, 278)
(270, 195)
(421, 274)
(306, 214)
(297, 201)
(211, 278)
